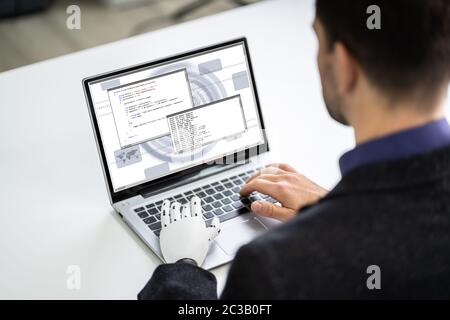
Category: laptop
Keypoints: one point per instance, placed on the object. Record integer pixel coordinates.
(184, 125)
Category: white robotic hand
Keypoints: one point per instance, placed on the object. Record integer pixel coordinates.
(184, 234)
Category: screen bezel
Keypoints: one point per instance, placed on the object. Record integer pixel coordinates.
(147, 186)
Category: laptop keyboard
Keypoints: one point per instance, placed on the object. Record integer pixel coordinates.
(219, 199)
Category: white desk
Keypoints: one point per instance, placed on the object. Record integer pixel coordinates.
(54, 210)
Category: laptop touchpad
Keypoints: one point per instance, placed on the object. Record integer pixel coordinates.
(239, 233)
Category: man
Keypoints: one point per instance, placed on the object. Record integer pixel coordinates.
(391, 210)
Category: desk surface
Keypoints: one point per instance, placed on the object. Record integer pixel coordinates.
(54, 209)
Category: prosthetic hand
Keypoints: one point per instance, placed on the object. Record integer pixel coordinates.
(184, 234)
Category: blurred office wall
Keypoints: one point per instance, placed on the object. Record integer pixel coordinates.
(35, 30)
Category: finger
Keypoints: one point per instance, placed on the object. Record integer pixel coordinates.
(268, 177)
(282, 166)
(214, 229)
(175, 214)
(196, 207)
(272, 170)
(185, 211)
(267, 170)
(257, 174)
(165, 214)
(260, 185)
(267, 209)
(271, 177)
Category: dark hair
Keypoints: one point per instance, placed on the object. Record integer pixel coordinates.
(411, 51)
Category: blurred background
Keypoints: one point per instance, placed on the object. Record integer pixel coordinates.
(36, 30)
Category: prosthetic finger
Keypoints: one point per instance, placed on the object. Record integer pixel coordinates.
(214, 229)
(165, 214)
(196, 207)
(186, 211)
(175, 214)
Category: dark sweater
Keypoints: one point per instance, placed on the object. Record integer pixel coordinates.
(392, 214)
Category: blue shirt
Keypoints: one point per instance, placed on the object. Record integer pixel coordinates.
(403, 144)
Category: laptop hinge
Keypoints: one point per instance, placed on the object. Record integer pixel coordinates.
(204, 173)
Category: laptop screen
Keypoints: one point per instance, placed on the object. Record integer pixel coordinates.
(173, 115)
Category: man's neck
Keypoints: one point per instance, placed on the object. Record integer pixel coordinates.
(375, 121)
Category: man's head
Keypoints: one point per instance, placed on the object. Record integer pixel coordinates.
(407, 60)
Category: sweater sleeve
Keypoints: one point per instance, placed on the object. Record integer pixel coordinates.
(249, 278)
(180, 281)
(187, 282)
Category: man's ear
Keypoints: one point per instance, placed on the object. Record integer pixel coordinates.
(346, 69)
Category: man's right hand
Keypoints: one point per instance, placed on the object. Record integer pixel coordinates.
(287, 186)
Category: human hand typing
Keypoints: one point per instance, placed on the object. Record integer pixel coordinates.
(287, 186)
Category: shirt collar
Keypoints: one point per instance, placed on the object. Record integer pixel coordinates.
(398, 145)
